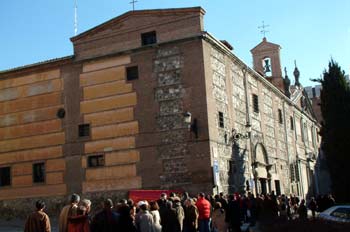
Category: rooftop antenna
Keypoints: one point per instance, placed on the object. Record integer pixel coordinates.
(133, 4)
(263, 29)
(75, 18)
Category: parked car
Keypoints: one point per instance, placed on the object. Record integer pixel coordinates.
(338, 213)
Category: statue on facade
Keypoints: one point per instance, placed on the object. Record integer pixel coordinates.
(286, 83)
(296, 74)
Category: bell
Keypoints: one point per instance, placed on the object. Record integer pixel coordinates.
(267, 66)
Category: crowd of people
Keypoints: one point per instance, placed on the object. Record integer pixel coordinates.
(204, 213)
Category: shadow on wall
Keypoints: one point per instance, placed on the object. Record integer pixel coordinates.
(237, 169)
(320, 182)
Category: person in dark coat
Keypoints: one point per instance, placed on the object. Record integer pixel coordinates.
(106, 220)
(223, 201)
(313, 207)
(232, 216)
(190, 223)
(38, 221)
(162, 203)
(302, 211)
(126, 220)
(169, 222)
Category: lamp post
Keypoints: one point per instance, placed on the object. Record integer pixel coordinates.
(192, 126)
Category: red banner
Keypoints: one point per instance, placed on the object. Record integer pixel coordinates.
(150, 195)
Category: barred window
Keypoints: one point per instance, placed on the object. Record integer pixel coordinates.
(297, 177)
(84, 130)
(256, 103)
(221, 120)
(280, 118)
(148, 38)
(96, 161)
(39, 172)
(292, 173)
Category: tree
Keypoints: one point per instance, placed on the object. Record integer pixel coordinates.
(335, 108)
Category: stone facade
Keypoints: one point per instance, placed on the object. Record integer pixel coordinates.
(137, 135)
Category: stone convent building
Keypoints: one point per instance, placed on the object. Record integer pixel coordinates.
(150, 100)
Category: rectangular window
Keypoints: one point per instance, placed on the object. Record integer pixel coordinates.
(280, 118)
(256, 103)
(5, 176)
(292, 173)
(291, 123)
(297, 177)
(96, 161)
(132, 73)
(39, 173)
(149, 38)
(221, 120)
(84, 130)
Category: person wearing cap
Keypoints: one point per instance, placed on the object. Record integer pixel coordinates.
(144, 219)
(38, 221)
(106, 220)
(204, 208)
(68, 211)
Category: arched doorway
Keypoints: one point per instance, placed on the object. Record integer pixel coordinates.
(261, 168)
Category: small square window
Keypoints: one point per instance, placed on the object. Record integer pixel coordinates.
(5, 176)
(256, 103)
(84, 130)
(280, 118)
(132, 73)
(221, 120)
(149, 38)
(96, 161)
(39, 172)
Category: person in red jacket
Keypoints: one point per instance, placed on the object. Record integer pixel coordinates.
(204, 209)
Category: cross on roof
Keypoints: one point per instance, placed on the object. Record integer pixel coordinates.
(263, 28)
(133, 4)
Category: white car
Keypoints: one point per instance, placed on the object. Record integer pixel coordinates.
(338, 213)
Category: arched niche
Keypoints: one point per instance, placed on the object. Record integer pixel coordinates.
(260, 162)
(260, 154)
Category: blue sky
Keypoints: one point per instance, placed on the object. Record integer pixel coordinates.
(309, 31)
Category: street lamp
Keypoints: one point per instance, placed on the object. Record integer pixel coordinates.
(192, 126)
(235, 136)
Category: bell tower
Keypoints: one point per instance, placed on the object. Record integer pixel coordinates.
(267, 62)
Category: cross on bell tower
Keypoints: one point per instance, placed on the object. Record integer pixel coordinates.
(267, 62)
(263, 29)
(133, 4)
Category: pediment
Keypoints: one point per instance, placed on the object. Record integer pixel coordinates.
(302, 100)
(265, 45)
(136, 20)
